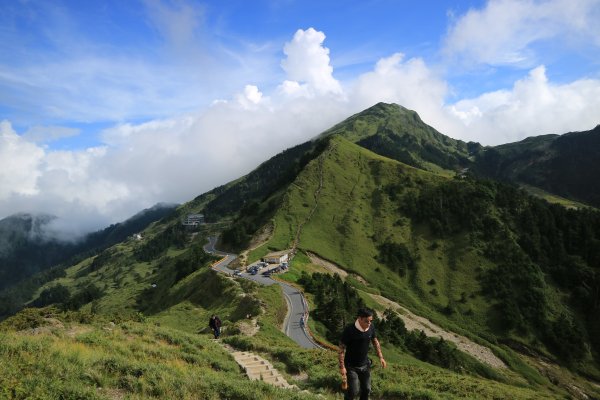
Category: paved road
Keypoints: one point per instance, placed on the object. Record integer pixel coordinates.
(297, 307)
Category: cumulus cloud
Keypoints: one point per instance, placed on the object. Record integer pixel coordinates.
(250, 97)
(307, 64)
(410, 83)
(533, 106)
(176, 158)
(505, 32)
(19, 163)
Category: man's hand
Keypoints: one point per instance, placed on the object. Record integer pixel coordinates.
(341, 351)
(383, 363)
(343, 373)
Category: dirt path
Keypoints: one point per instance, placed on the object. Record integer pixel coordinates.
(329, 266)
(249, 327)
(316, 196)
(412, 322)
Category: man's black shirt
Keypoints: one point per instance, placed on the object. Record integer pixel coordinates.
(357, 345)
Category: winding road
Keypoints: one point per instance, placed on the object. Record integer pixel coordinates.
(297, 307)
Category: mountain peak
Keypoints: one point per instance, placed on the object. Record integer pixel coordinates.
(389, 110)
(396, 132)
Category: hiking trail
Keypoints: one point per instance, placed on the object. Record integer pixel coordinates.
(316, 196)
(257, 368)
(415, 322)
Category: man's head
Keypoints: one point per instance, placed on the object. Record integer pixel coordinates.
(365, 317)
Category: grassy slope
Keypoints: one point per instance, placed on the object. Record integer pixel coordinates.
(161, 355)
(135, 360)
(350, 210)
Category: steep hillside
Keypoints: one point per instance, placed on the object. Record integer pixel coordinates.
(25, 249)
(565, 165)
(475, 256)
(478, 258)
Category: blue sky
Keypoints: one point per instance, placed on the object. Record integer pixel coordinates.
(107, 106)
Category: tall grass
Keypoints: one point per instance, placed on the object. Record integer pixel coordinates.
(128, 360)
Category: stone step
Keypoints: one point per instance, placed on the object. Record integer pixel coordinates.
(257, 368)
(257, 364)
(264, 373)
(273, 377)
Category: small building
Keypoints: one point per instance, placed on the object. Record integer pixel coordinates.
(277, 257)
(193, 220)
(137, 236)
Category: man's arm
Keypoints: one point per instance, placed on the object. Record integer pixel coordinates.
(379, 353)
(341, 355)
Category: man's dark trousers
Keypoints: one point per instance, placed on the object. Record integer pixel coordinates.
(359, 379)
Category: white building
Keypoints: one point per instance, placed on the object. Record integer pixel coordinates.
(193, 220)
(277, 257)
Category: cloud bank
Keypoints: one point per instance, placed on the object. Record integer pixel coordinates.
(175, 158)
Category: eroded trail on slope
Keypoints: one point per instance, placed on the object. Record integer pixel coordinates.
(415, 322)
(316, 196)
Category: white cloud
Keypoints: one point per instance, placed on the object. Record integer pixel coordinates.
(533, 106)
(250, 97)
(411, 84)
(19, 163)
(308, 63)
(505, 32)
(177, 158)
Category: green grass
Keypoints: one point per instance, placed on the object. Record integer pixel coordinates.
(553, 198)
(161, 354)
(127, 360)
(351, 220)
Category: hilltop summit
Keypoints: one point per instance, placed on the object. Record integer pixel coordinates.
(399, 133)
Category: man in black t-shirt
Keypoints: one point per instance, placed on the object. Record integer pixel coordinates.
(355, 365)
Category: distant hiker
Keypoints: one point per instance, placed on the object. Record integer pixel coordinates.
(215, 324)
(355, 366)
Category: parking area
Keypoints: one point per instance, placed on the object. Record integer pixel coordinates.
(263, 268)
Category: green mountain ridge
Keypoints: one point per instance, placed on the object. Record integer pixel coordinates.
(565, 165)
(31, 255)
(477, 257)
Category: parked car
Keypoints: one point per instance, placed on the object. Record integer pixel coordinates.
(267, 273)
(237, 272)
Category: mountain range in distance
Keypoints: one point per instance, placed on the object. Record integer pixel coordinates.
(29, 244)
